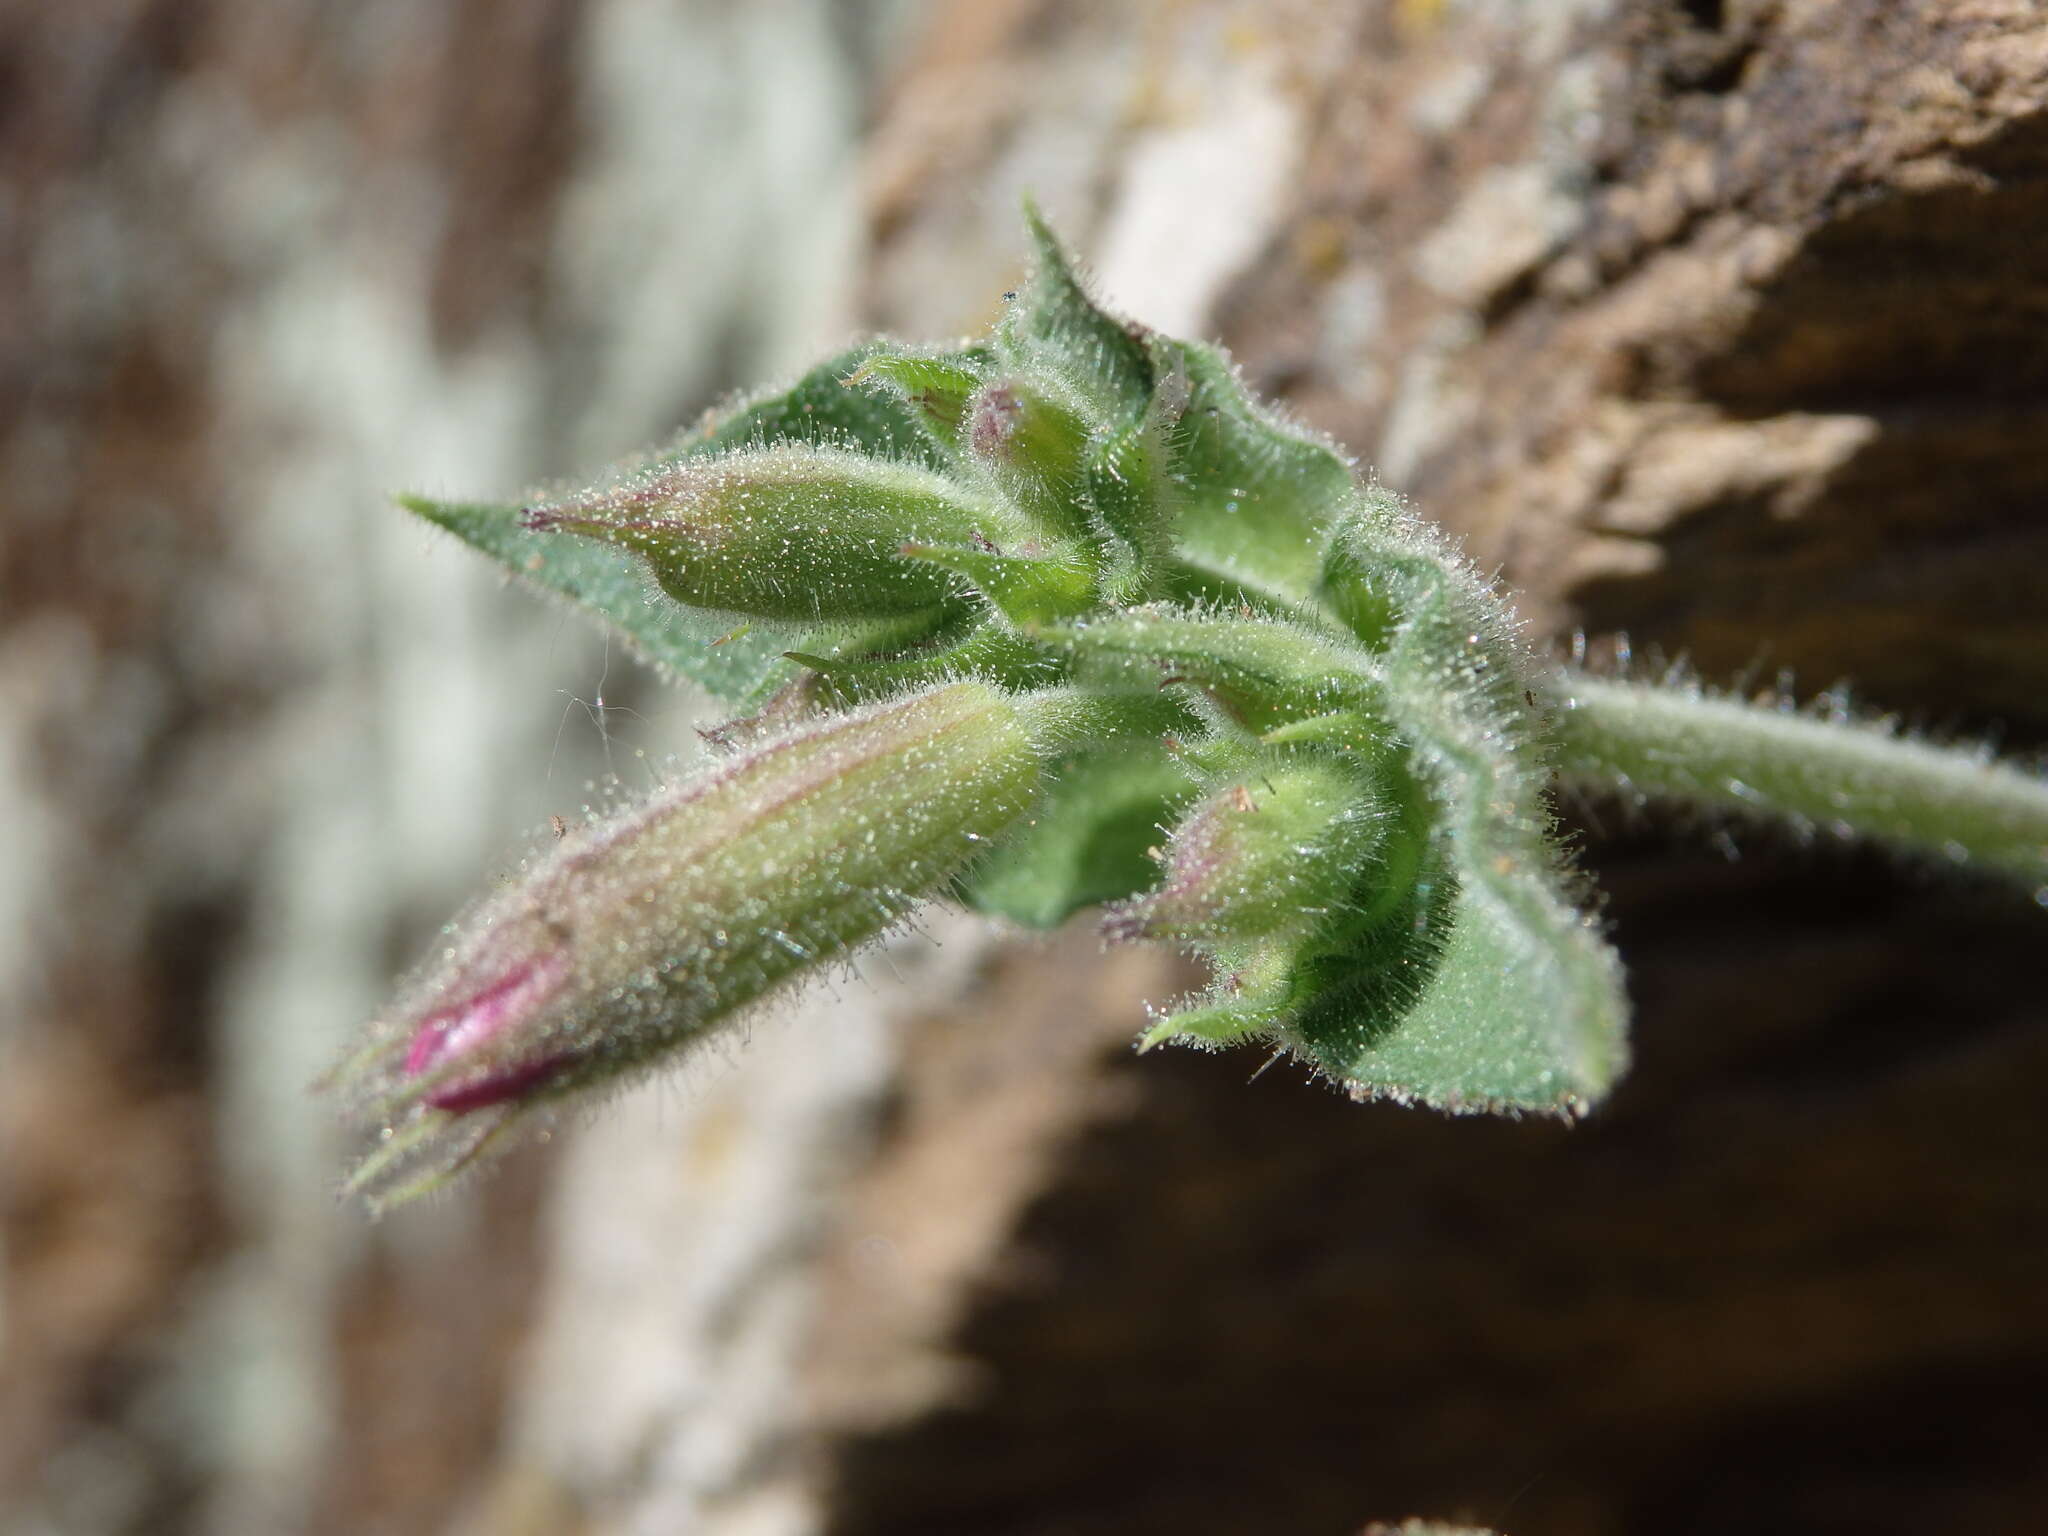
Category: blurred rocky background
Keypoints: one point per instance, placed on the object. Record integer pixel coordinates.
(1720, 327)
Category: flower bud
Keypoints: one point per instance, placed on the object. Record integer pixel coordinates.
(789, 532)
(641, 934)
(1276, 851)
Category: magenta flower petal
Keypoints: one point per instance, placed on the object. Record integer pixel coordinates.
(469, 1026)
(498, 1087)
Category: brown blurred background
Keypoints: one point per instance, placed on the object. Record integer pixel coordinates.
(1718, 325)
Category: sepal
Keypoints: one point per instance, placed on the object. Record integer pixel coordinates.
(933, 388)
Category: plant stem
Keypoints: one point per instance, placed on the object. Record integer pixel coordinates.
(1853, 779)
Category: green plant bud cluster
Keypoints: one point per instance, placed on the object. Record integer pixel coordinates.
(1079, 501)
(1067, 618)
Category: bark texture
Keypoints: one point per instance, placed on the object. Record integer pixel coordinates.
(1718, 327)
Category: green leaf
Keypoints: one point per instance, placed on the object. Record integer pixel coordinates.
(1254, 498)
(1521, 1009)
(934, 387)
(1122, 482)
(719, 652)
(1497, 993)
(1088, 840)
(987, 650)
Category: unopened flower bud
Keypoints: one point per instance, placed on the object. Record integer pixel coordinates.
(639, 935)
(788, 532)
(1278, 850)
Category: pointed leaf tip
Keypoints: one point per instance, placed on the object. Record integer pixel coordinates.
(1056, 326)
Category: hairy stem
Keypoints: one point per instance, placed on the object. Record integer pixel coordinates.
(1855, 779)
